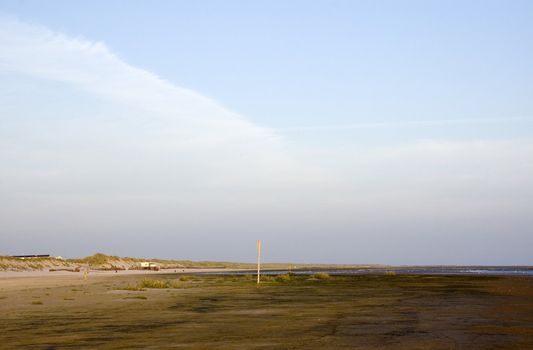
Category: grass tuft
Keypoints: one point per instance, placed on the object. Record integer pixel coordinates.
(158, 284)
(321, 276)
(283, 278)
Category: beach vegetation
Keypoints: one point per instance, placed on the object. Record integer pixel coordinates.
(321, 276)
(153, 283)
(283, 278)
(96, 259)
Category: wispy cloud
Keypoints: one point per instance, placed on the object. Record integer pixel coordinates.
(407, 124)
(143, 115)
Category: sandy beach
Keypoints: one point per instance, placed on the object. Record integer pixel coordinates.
(131, 310)
(101, 273)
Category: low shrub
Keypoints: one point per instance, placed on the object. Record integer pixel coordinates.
(283, 278)
(158, 284)
(321, 276)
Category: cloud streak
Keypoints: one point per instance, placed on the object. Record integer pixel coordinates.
(142, 113)
(91, 144)
(408, 124)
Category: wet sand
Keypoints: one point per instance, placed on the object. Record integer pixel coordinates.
(231, 312)
(103, 273)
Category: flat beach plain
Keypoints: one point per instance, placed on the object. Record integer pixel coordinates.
(232, 312)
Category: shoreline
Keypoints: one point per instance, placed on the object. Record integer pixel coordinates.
(109, 273)
(528, 272)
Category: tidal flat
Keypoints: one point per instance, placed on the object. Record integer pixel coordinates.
(297, 312)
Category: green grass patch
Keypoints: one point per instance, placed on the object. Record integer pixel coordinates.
(156, 284)
(321, 276)
(283, 278)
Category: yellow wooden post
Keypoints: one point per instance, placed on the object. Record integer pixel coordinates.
(258, 260)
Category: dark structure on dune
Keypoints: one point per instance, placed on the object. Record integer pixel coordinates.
(31, 256)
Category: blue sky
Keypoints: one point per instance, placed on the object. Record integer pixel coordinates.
(389, 129)
(301, 63)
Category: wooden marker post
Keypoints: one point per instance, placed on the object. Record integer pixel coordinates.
(258, 260)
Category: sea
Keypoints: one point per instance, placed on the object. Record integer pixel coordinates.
(417, 270)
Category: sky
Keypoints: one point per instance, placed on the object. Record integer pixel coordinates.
(393, 132)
